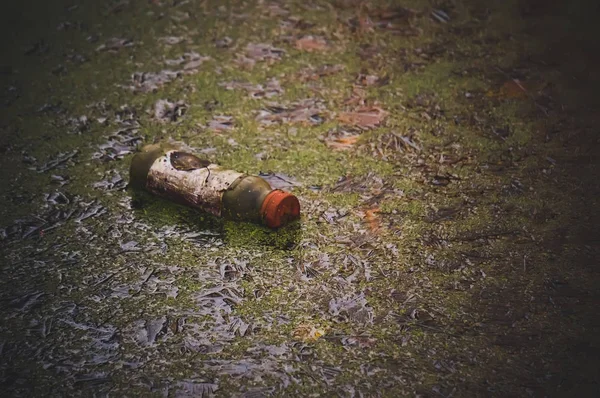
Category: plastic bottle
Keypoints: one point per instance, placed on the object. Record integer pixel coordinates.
(174, 174)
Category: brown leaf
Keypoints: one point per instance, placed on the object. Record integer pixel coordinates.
(342, 143)
(357, 97)
(311, 43)
(311, 73)
(260, 52)
(114, 44)
(280, 180)
(366, 117)
(221, 123)
(515, 88)
(367, 80)
(396, 20)
(307, 332)
(270, 89)
(365, 24)
(340, 139)
(166, 111)
(307, 111)
(372, 219)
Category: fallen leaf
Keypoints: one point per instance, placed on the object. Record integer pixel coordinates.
(170, 40)
(515, 88)
(396, 20)
(372, 219)
(258, 53)
(366, 117)
(371, 80)
(280, 180)
(114, 44)
(307, 111)
(221, 123)
(112, 181)
(147, 82)
(224, 42)
(195, 388)
(186, 58)
(393, 144)
(311, 73)
(352, 306)
(342, 143)
(311, 43)
(341, 139)
(365, 25)
(440, 16)
(306, 332)
(271, 88)
(359, 341)
(59, 161)
(440, 181)
(276, 10)
(166, 111)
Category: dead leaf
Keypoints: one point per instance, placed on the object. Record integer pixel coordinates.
(311, 43)
(276, 10)
(221, 123)
(280, 180)
(186, 58)
(224, 42)
(359, 341)
(342, 143)
(341, 139)
(307, 111)
(170, 40)
(194, 64)
(306, 332)
(365, 25)
(114, 44)
(166, 111)
(262, 52)
(397, 20)
(372, 219)
(357, 97)
(271, 88)
(351, 306)
(392, 145)
(147, 82)
(322, 71)
(366, 117)
(366, 80)
(515, 88)
(440, 16)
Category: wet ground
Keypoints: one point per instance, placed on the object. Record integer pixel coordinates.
(445, 155)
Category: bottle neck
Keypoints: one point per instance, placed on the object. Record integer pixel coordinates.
(244, 199)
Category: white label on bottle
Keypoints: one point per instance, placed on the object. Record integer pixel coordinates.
(201, 188)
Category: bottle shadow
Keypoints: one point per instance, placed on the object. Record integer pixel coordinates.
(201, 227)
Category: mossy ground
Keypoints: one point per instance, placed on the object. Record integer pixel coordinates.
(463, 264)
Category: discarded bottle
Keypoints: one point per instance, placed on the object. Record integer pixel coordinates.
(184, 178)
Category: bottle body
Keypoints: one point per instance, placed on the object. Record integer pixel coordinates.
(184, 178)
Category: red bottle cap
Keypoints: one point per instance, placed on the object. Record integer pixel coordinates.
(279, 208)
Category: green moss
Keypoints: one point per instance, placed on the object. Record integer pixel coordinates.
(241, 234)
